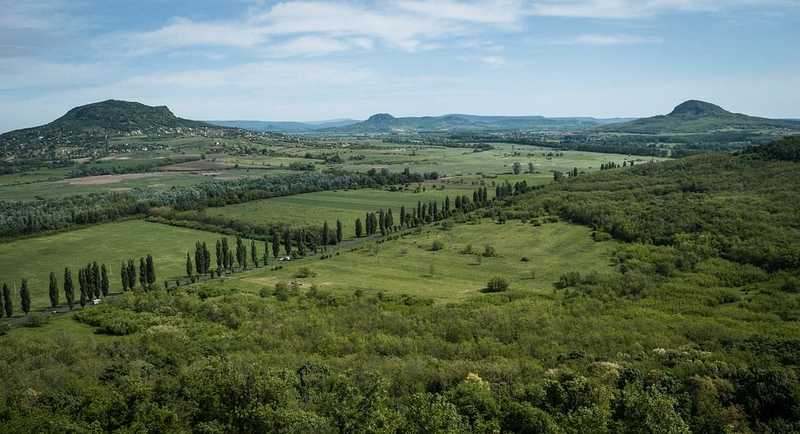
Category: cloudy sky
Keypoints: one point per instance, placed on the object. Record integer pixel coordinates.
(314, 60)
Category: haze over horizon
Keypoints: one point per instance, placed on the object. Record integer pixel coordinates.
(310, 61)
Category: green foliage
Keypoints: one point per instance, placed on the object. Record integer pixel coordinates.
(496, 284)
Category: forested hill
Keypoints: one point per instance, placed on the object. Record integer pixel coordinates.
(699, 117)
(742, 207)
(91, 124)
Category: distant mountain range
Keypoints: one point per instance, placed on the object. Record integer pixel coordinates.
(699, 117)
(386, 123)
(286, 127)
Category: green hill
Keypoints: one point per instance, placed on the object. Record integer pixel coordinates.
(694, 116)
(89, 125)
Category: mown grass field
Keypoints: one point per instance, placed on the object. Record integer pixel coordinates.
(409, 266)
(313, 209)
(35, 258)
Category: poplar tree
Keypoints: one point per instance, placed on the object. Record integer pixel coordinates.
(2, 304)
(287, 241)
(95, 280)
(82, 285)
(69, 290)
(142, 273)
(325, 234)
(253, 253)
(339, 234)
(131, 274)
(189, 263)
(275, 243)
(358, 228)
(53, 290)
(104, 283)
(220, 259)
(8, 305)
(266, 253)
(123, 276)
(206, 260)
(150, 271)
(25, 296)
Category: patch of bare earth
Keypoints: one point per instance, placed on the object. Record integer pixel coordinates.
(108, 179)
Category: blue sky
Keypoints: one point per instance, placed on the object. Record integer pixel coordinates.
(313, 60)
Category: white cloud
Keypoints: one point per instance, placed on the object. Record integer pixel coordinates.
(622, 9)
(318, 45)
(598, 39)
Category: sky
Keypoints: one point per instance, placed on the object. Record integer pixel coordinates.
(316, 60)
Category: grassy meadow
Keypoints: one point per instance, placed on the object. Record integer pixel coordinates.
(35, 258)
(409, 265)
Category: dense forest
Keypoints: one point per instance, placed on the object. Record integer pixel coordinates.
(694, 331)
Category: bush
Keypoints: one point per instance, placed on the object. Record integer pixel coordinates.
(467, 250)
(35, 320)
(489, 252)
(304, 272)
(437, 245)
(282, 291)
(568, 279)
(496, 284)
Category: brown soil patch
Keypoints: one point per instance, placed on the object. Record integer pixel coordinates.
(108, 179)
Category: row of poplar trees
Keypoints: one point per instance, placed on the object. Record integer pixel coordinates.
(383, 221)
(93, 283)
(146, 274)
(7, 304)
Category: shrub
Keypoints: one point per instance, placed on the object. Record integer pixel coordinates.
(489, 252)
(496, 284)
(568, 279)
(282, 291)
(437, 245)
(35, 320)
(467, 250)
(304, 272)
(525, 259)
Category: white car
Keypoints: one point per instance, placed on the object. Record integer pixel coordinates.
(96, 301)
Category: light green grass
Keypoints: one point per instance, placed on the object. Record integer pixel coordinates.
(345, 205)
(408, 266)
(34, 258)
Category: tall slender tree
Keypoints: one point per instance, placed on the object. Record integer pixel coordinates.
(325, 237)
(53, 290)
(123, 275)
(95, 280)
(131, 274)
(220, 259)
(8, 305)
(142, 273)
(69, 290)
(339, 234)
(287, 241)
(358, 228)
(82, 285)
(275, 243)
(266, 253)
(150, 271)
(253, 253)
(189, 267)
(25, 296)
(105, 285)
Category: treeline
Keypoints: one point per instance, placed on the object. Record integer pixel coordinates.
(737, 207)
(30, 217)
(118, 169)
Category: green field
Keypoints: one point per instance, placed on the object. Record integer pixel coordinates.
(313, 209)
(34, 258)
(409, 266)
